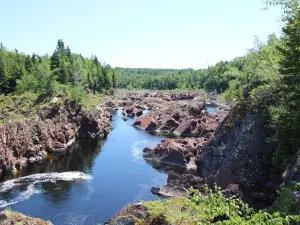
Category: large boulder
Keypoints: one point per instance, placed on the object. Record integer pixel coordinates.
(173, 152)
(178, 185)
(170, 155)
(185, 128)
(206, 124)
(195, 107)
(146, 122)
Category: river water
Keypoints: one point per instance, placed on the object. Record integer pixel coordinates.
(115, 174)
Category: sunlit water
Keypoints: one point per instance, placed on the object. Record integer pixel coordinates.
(114, 175)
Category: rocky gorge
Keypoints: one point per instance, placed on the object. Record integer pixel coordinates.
(206, 143)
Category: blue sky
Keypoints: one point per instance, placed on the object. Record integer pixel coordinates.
(139, 33)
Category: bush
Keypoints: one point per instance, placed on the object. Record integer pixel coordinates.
(77, 94)
(284, 202)
(212, 208)
(15, 107)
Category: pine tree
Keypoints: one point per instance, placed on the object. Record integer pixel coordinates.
(61, 62)
(115, 79)
(76, 70)
(290, 66)
(107, 73)
(28, 64)
(3, 73)
(286, 114)
(99, 84)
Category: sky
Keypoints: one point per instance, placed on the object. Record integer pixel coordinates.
(139, 33)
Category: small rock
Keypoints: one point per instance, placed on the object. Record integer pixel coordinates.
(54, 100)
(3, 216)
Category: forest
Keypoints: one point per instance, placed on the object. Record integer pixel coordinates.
(260, 64)
(46, 75)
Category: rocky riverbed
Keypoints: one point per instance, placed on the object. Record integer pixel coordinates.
(228, 148)
(207, 142)
(220, 148)
(185, 119)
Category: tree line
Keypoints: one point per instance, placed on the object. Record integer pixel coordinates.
(228, 77)
(46, 75)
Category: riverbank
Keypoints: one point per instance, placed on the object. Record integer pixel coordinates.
(52, 129)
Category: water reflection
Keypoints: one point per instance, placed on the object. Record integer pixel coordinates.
(57, 193)
(75, 159)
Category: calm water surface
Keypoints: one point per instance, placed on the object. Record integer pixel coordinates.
(119, 176)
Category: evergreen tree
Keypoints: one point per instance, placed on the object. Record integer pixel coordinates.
(3, 73)
(61, 62)
(77, 70)
(290, 66)
(99, 78)
(107, 74)
(287, 119)
(114, 79)
(28, 64)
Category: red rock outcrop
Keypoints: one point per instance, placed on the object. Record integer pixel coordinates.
(53, 131)
(175, 152)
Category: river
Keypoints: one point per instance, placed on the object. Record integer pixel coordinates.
(118, 176)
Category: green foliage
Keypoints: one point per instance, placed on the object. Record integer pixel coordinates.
(286, 97)
(212, 208)
(284, 202)
(91, 101)
(16, 107)
(259, 66)
(42, 75)
(157, 79)
(40, 81)
(77, 94)
(29, 81)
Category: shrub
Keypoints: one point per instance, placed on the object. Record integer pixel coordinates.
(212, 208)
